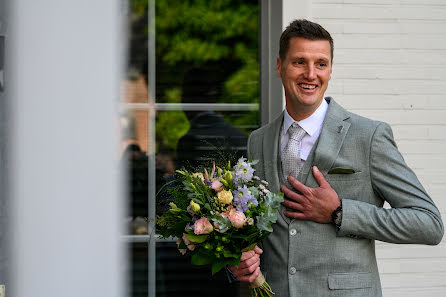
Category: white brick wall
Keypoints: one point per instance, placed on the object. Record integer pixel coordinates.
(390, 65)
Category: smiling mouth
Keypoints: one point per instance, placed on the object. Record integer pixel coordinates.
(307, 87)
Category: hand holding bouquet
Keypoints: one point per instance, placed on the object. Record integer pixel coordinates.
(219, 215)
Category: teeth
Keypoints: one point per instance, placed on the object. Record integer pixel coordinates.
(307, 86)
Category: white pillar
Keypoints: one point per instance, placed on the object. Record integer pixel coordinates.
(64, 190)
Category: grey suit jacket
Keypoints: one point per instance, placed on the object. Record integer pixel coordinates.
(304, 258)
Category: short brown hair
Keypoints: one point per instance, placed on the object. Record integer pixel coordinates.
(305, 29)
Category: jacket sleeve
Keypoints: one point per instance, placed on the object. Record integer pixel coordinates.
(412, 218)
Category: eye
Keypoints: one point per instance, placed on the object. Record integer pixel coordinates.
(322, 65)
(298, 62)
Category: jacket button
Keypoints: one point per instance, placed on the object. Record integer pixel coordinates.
(293, 270)
(293, 232)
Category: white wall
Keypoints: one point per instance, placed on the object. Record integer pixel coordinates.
(390, 65)
(63, 90)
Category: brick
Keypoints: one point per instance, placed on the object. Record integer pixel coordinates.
(379, 12)
(409, 72)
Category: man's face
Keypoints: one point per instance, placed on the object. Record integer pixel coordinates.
(305, 73)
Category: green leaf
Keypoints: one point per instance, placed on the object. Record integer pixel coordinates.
(197, 238)
(199, 259)
(218, 265)
(234, 261)
(250, 247)
(228, 254)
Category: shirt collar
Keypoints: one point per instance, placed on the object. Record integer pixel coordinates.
(310, 124)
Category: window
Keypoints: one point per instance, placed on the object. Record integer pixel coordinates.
(191, 95)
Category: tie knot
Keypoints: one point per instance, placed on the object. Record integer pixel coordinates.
(296, 132)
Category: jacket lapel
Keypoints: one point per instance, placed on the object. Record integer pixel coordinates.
(330, 141)
(271, 154)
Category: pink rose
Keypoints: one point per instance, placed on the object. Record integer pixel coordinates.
(202, 226)
(237, 218)
(216, 185)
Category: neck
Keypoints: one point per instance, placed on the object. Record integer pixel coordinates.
(299, 113)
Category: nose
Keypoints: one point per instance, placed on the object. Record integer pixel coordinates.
(310, 73)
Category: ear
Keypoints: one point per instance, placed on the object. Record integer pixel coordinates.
(279, 63)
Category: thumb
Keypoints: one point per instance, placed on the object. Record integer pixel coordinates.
(319, 177)
(258, 250)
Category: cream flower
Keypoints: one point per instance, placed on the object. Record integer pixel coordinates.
(198, 175)
(225, 197)
(194, 206)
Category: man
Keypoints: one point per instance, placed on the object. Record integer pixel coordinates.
(347, 166)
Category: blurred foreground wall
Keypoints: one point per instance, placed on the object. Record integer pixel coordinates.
(62, 88)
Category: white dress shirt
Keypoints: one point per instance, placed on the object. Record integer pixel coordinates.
(312, 126)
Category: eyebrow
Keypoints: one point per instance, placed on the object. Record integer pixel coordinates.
(322, 60)
(304, 58)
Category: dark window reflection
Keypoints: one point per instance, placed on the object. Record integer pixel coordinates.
(175, 276)
(210, 136)
(138, 270)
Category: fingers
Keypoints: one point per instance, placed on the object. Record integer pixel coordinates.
(250, 278)
(295, 215)
(297, 184)
(293, 205)
(258, 250)
(292, 195)
(319, 177)
(243, 270)
(249, 266)
(247, 255)
(249, 262)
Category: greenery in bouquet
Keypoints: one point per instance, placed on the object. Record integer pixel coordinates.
(219, 213)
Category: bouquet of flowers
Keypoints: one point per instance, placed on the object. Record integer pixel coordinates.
(220, 213)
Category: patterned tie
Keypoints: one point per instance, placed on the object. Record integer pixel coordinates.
(291, 154)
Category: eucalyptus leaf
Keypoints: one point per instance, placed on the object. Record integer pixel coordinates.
(254, 191)
(223, 223)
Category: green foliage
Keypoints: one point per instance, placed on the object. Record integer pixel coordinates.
(194, 33)
(171, 125)
(200, 31)
(269, 216)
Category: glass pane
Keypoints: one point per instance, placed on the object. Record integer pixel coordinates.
(134, 162)
(138, 270)
(192, 139)
(175, 276)
(135, 84)
(207, 51)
